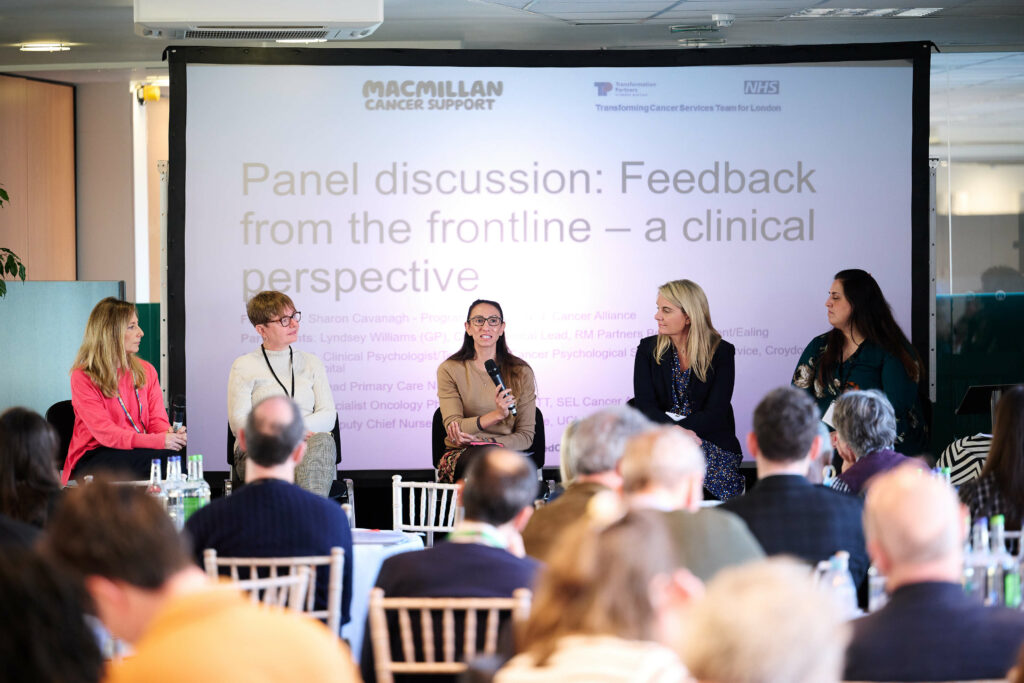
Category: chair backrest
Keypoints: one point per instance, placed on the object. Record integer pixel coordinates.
(428, 507)
(289, 591)
(62, 416)
(286, 566)
(417, 626)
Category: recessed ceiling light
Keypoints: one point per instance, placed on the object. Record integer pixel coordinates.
(857, 12)
(301, 40)
(45, 47)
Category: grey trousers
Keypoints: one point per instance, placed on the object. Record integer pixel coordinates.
(317, 470)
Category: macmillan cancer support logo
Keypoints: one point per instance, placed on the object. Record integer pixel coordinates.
(603, 88)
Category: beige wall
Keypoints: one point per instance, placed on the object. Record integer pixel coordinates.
(106, 239)
(157, 121)
(37, 167)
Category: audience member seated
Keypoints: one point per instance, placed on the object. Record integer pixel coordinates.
(787, 514)
(45, 635)
(930, 630)
(120, 420)
(865, 432)
(606, 607)
(29, 485)
(817, 464)
(483, 556)
(1000, 488)
(183, 627)
(663, 469)
(765, 622)
(965, 458)
(595, 448)
(271, 516)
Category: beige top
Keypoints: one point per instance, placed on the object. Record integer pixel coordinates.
(466, 392)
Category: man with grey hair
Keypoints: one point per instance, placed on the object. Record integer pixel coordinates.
(865, 425)
(930, 630)
(663, 469)
(595, 447)
(787, 513)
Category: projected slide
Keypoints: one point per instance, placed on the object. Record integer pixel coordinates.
(385, 199)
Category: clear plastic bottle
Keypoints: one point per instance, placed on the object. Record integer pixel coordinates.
(197, 491)
(155, 489)
(175, 492)
(834, 576)
(979, 566)
(876, 589)
(1007, 571)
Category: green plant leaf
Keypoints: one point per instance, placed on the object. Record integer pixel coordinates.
(21, 271)
(3, 289)
(11, 268)
(3, 196)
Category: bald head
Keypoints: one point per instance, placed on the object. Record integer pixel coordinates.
(273, 431)
(663, 457)
(499, 483)
(914, 519)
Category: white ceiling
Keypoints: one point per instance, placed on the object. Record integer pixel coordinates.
(977, 99)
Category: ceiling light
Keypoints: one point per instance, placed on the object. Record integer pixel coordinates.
(44, 47)
(301, 40)
(851, 12)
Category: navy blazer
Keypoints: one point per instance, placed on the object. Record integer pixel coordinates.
(710, 402)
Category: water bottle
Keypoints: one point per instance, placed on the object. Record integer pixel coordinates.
(197, 491)
(876, 590)
(834, 575)
(1007, 571)
(175, 492)
(979, 571)
(155, 489)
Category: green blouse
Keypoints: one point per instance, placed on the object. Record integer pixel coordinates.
(870, 367)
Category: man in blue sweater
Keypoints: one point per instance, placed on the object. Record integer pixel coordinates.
(270, 516)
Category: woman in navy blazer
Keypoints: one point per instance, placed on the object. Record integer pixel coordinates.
(684, 376)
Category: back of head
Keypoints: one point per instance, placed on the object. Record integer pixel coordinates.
(785, 424)
(273, 431)
(267, 306)
(28, 477)
(598, 581)
(499, 483)
(44, 635)
(118, 532)
(865, 420)
(1006, 454)
(914, 518)
(600, 439)
(765, 622)
(660, 458)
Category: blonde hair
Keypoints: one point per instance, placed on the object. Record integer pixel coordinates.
(102, 356)
(262, 308)
(703, 338)
(598, 582)
(763, 622)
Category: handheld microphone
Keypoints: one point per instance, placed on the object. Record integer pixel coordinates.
(177, 412)
(495, 374)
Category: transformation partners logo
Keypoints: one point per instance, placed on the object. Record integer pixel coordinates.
(432, 95)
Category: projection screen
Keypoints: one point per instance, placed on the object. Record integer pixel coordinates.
(386, 190)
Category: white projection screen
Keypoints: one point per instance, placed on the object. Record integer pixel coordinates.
(386, 190)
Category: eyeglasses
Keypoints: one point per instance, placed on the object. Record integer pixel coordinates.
(286, 320)
(479, 321)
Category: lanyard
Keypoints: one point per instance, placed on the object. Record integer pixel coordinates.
(125, 409)
(291, 367)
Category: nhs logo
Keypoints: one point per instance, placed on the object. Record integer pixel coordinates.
(760, 87)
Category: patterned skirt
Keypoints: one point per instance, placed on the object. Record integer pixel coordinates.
(722, 478)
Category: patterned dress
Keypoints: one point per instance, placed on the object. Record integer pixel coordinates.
(722, 477)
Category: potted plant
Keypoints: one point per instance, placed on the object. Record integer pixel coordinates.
(10, 264)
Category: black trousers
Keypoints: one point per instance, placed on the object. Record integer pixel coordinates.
(124, 464)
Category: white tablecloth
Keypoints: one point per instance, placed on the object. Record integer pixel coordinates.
(369, 549)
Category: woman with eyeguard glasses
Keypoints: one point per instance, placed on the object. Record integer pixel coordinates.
(275, 369)
(474, 410)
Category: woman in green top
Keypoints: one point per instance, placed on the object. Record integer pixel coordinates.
(865, 349)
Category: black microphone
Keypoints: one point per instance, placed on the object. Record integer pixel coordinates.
(492, 370)
(178, 412)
